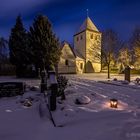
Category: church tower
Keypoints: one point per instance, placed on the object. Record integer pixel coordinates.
(87, 42)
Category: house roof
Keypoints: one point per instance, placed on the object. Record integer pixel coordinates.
(88, 24)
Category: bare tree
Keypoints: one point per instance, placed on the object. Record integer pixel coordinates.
(95, 52)
(105, 51)
(135, 45)
(135, 39)
(124, 56)
(109, 44)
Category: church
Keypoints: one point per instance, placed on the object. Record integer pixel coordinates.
(85, 57)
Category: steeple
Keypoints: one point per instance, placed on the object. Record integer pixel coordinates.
(88, 24)
(85, 40)
(87, 12)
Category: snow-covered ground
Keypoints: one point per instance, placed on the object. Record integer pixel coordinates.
(101, 76)
(93, 121)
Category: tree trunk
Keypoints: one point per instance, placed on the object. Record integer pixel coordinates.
(56, 70)
(108, 71)
(63, 97)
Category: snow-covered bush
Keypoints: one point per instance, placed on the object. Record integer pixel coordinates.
(62, 84)
(82, 100)
(34, 88)
(137, 80)
(125, 82)
(115, 79)
(132, 84)
(27, 103)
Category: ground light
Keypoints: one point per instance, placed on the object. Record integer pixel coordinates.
(113, 103)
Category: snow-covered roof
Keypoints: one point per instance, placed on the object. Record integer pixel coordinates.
(68, 45)
(88, 24)
(77, 55)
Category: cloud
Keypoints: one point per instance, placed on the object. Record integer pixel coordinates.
(67, 15)
(11, 7)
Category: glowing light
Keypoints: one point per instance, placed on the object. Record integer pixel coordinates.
(113, 103)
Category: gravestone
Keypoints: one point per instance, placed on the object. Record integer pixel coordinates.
(127, 73)
(39, 76)
(53, 89)
(9, 89)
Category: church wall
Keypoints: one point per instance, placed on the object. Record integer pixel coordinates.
(93, 49)
(67, 63)
(80, 42)
(97, 67)
(80, 66)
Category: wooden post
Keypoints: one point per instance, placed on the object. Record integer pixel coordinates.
(127, 73)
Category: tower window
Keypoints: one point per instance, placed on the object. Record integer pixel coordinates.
(77, 38)
(91, 36)
(97, 37)
(81, 66)
(66, 62)
(81, 37)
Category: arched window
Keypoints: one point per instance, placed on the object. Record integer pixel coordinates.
(66, 62)
(81, 37)
(81, 66)
(91, 36)
(97, 37)
(77, 38)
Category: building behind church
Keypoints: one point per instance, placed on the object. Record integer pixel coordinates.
(85, 57)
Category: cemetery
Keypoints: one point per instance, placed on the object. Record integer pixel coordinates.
(42, 111)
(63, 77)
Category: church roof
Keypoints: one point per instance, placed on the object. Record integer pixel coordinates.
(66, 43)
(88, 24)
(77, 55)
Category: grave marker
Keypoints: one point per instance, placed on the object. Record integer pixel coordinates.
(9, 89)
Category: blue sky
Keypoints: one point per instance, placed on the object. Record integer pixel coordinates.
(67, 15)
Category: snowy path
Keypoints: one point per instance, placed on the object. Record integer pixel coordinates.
(124, 124)
(125, 94)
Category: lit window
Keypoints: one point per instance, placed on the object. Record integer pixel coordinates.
(81, 66)
(91, 36)
(96, 37)
(66, 62)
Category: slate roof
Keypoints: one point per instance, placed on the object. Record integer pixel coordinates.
(75, 52)
(88, 24)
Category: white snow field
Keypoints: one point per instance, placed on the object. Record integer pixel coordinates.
(93, 121)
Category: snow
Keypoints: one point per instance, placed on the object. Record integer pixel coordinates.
(82, 100)
(93, 121)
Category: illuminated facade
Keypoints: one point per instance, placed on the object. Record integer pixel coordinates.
(85, 57)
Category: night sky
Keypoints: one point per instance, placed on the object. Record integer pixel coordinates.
(67, 15)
